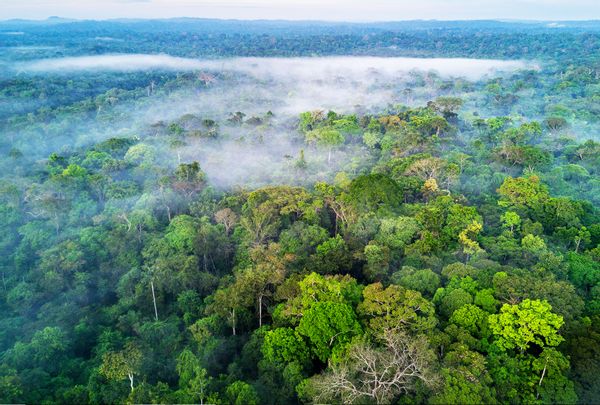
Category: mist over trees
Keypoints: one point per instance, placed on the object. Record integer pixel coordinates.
(237, 226)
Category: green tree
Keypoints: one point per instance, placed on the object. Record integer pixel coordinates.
(583, 236)
(529, 322)
(511, 220)
(241, 393)
(329, 327)
(285, 345)
(533, 245)
(122, 364)
(314, 289)
(397, 232)
(10, 387)
(424, 281)
(396, 309)
(466, 238)
(522, 191)
(466, 379)
(193, 379)
(378, 259)
(373, 193)
(471, 318)
(326, 137)
(332, 256)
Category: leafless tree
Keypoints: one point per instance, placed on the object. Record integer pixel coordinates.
(377, 375)
(227, 217)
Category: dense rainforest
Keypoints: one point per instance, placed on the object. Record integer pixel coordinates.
(287, 230)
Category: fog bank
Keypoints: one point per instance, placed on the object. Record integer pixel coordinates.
(255, 154)
(280, 68)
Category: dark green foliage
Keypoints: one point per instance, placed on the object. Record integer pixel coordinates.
(458, 239)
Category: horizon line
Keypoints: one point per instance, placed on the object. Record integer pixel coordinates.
(500, 20)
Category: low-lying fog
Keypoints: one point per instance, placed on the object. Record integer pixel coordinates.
(281, 68)
(285, 86)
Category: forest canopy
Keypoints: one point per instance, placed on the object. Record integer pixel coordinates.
(415, 220)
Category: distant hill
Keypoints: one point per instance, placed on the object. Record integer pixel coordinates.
(201, 24)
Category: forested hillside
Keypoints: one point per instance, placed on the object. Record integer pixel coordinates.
(343, 232)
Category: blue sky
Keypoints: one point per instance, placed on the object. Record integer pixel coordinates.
(334, 10)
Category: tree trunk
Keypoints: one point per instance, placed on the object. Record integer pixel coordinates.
(140, 228)
(260, 298)
(233, 321)
(541, 379)
(168, 212)
(154, 300)
(130, 375)
(124, 216)
(57, 224)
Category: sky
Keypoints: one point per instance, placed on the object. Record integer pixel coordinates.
(329, 10)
